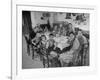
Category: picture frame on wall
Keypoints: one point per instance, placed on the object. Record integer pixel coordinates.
(50, 40)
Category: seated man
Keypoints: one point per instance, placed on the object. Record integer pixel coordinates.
(83, 48)
(35, 45)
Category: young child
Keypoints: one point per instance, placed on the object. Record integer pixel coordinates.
(43, 51)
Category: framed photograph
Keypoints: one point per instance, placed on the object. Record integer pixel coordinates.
(51, 40)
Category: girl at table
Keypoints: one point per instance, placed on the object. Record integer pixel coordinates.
(70, 28)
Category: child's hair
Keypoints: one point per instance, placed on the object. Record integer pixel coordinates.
(71, 33)
(51, 35)
(43, 36)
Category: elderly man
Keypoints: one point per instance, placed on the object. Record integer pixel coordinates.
(83, 47)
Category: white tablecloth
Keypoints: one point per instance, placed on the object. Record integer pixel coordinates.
(62, 42)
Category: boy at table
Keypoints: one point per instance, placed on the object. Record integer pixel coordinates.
(53, 52)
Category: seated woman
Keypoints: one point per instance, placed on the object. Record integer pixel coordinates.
(69, 57)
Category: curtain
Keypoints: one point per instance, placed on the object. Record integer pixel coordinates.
(26, 22)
